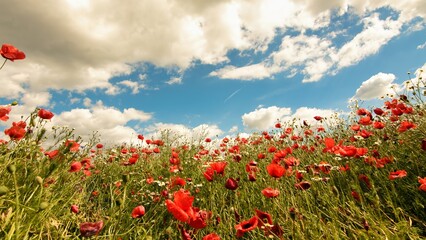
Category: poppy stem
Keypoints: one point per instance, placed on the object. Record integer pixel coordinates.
(3, 64)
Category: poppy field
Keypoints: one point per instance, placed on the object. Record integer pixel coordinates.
(360, 176)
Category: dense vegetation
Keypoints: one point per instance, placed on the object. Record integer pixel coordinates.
(361, 177)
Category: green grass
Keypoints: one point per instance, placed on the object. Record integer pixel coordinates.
(37, 192)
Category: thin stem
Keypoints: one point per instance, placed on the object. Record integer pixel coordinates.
(17, 220)
(5, 60)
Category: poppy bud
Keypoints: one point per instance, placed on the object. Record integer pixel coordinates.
(74, 209)
(11, 168)
(39, 180)
(3, 190)
(231, 184)
(125, 178)
(14, 103)
(43, 205)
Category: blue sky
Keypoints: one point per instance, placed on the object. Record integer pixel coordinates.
(212, 67)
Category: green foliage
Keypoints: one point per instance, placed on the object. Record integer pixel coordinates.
(350, 196)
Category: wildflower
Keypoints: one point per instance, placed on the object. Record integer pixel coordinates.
(138, 212)
(406, 125)
(211, 236)
(199, 219)
(397, 174)
(4, 111)
(378, 111)
(73, 145)
(218, 167)
(270, 192)
(207, 140)
(140, 137)
(17, 131)
(378, 125)
(45, 114)
(75, 167)
(246, 226)
(11, 53)
(356, 195)
(74, 209)
(89, 229)
(303, 185)
(181, 207)
(275, 170)
(231, 184)
(422, 182)
(318, 118)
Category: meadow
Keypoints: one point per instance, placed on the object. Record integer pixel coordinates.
(361, 176)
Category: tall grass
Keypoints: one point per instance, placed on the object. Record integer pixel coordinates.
(346, 195)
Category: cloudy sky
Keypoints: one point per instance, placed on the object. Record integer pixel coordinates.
(198, 66)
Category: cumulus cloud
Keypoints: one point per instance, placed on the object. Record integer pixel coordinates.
(376, 86)
(316, 56)
(111, 123)
(264, 118)
(182, 133)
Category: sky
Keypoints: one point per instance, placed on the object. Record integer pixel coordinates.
(205, 68)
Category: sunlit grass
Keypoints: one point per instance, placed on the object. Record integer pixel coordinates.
(358, 179)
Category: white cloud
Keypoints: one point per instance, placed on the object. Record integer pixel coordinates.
(421, 46)
(181, 133)
(376, 86)
(36, 99)
(250, 72)
(111, 123)
(376, 33)
(307, 114)
(135, 86)
(264, 118)
(175, 80)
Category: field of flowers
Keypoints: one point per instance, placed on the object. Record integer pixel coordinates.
(359, 177)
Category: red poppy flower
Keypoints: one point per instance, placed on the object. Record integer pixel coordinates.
(263, 217)
(246, 226)
(378, 125)
(207, 140)
(177, 181)
(181, 208)
(75, 167)
(356, 195)
(209, 174)
(277, 125)
(378, 111)
(73, 145)
(365, 179)
(17, 131)
(11, 53)
(397, 174)
(89, 229)
(212, 236)
(406, 125)
(422, 182)
(200, 218)
(303, 185)
(219, 167)
(362, 112)
(365, 120)
(275, 170)
(4, 111)
(138, 212)
(74, 209)
(318, 118)
(231, 184)
(270, 192)
(45, 114)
